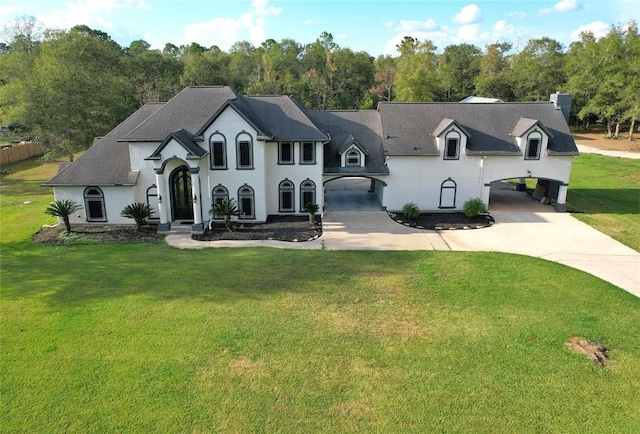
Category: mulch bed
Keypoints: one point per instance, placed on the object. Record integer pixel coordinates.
(281, 228)
(444, 221)
(106, 234)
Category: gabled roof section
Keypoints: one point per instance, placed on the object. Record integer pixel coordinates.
(407, 127)
(186, 140)
(190, 109)
(446, 123)
(107, 161)
(352, 126)
(285, 118)
(525, 124)
(348, 141)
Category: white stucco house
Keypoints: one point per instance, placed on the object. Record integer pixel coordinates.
(273, 155)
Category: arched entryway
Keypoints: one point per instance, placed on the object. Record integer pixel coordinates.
(181, 200)
(353, 194)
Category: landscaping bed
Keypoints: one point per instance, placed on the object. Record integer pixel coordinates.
(444, 221)
(97, 234)
(281, 228)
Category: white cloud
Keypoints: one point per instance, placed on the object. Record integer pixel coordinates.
(224, 32)
(262, 7)
(88, 12)
(469, 14)
(598, 28)
(562, 6)
(517, 14)
(415, 26)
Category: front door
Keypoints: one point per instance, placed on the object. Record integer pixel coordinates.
(181, 200)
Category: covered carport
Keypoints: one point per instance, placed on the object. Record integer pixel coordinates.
(353, 194)
(505, 196)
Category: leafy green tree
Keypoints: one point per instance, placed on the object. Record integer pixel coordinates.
(493, 80)
(137, 211)
(203, 68)
(63, 209)
(458, 69)
(225, 208)
(538, 70)
(416, 79)
(603, 75)
(77, 91)
(352, 78)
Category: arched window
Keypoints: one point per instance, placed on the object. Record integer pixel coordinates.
(448, 194)
(307, 193)
(534, 143)
(244, 151)
(286, 192)
(219, 194)
(246, 201)
(152, 200)
(452, 146)
(218, 151)
(94, 204)
(353, 158)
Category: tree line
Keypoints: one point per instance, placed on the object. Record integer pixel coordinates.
(68, 86)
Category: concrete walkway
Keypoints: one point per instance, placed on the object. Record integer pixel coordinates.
(622, 154)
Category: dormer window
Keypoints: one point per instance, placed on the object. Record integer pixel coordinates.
(354, 157)
(452, 146)
(534, 142)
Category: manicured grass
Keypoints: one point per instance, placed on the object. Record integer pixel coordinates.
(605, 192)
(147, 338)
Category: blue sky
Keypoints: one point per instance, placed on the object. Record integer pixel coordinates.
(375, 26)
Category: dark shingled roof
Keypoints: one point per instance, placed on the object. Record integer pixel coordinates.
(364, 127)
(284, 118)
(106, 162)
(190, 109)
(408, 128)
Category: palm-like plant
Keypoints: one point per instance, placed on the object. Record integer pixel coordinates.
(137, 211)
(225, 208)
(63, 209)
(312, 209)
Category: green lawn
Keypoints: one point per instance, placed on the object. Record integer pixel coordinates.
(147, 338)
(605, 192)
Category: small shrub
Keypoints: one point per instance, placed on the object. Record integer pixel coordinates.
(137, 211)
(312, 209)
(474, 207)
(410, 210)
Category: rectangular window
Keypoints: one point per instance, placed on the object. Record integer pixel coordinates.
(308, 153)
(218, 157)
(246, 207)
(95, 210)
(244, 155)
(533, 149)
(285, 153)
(287, 201)
(452, 149)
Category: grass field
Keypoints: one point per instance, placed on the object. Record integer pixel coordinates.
(606, 193)
(146, 338)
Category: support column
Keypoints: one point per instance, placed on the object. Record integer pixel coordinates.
(561, 203)
(522, 186)
(163, 200)
(197, 227)
(485, 194)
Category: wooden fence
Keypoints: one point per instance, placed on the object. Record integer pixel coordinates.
(20, 152)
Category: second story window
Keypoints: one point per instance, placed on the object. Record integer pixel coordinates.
(533, 149)
(307, 153)
(452, 146)
(353, 158)
(244, 151)
(285, 153)
(218, 151)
